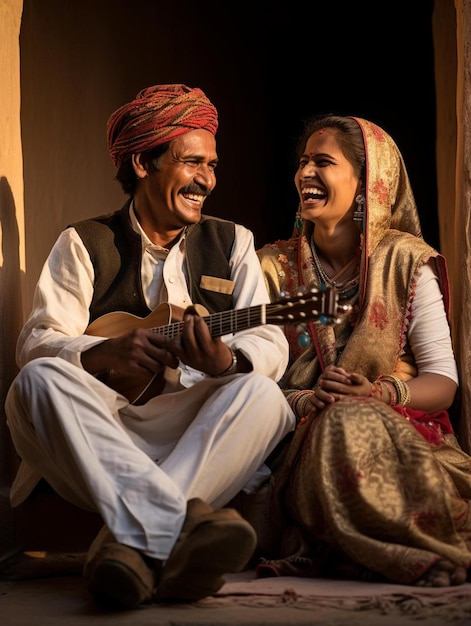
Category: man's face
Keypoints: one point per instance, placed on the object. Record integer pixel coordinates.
(173, 192)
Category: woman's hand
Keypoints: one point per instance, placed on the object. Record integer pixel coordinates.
(334, 384)
(429, 392)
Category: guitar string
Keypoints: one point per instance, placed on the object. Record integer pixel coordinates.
(251, 317)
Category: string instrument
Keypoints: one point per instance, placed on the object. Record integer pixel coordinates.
(314, 304)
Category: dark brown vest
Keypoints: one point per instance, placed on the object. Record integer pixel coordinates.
(115, 252)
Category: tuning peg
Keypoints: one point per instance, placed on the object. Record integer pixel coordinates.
(342, 309)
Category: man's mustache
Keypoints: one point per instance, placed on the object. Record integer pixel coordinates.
(196, 189)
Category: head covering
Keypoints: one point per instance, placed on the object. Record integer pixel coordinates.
(390, 202)
(157, 115)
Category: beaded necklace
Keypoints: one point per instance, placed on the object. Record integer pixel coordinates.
(345, 290)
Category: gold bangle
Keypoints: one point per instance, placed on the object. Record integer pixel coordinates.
(401, 387)
(406, 399)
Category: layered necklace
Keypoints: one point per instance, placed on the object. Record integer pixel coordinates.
(345, 290)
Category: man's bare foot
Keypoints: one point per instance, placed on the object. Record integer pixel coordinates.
(443, 574)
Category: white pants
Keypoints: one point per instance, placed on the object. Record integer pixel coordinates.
(138, 465)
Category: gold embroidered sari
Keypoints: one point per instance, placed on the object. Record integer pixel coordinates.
(363, 484)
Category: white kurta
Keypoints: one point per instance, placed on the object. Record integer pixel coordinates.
(138, 465)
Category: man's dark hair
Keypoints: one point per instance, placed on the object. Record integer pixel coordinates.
(126, 175)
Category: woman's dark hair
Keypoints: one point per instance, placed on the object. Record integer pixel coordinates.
(126, 175)
(349, 136)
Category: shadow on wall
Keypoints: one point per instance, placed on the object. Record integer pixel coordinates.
(10, 320)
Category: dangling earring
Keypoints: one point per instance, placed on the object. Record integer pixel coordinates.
(298, 222)
(359, 213)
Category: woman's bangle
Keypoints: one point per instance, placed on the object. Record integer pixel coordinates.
(298, 401)
(377, 390)
(401, 388)
(392, 393)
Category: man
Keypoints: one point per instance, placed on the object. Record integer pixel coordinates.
(125, 408)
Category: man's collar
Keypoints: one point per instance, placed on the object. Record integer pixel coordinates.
(138, 228)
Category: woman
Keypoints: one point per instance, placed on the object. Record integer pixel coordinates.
(374, 481)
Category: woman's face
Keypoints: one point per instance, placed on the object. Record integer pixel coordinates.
(325, 180)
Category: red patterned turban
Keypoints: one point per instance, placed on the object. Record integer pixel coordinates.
(158, 114)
